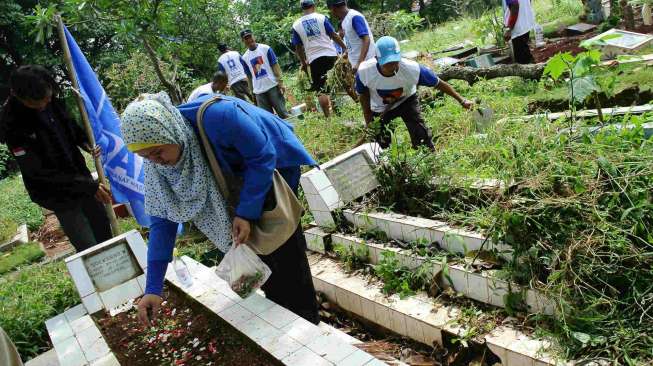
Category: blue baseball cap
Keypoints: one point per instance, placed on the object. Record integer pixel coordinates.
(305, 4)
(387, 50)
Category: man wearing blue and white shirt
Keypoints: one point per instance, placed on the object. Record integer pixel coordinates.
(358, 35)
(313, 37)
(263, 70)
(232, 64)
(388, 89)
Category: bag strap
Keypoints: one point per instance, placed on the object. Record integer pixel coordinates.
(208, 148)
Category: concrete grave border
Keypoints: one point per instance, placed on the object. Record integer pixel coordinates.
(419, 317)
(92, 299)
(21, 237)
(482, 287)
(321, 193)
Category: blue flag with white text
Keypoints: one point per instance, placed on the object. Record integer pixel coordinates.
(123, 168)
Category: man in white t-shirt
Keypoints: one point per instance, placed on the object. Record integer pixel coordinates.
(519, 21)
(313, 37)
(262, 68)
(232, 64)
(358, 35)
(218, 84)
(388, 89)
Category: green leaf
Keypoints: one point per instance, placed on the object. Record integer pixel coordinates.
(583, 87)
(583, 338)
(558, 64)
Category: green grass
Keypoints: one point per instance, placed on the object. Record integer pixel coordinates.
(28, 298)
(16, 206)
(8, 229)
(20, 255)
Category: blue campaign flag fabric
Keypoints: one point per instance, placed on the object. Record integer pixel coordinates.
(123, 168)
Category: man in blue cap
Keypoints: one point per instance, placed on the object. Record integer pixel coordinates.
(313, 37)
(388, 88)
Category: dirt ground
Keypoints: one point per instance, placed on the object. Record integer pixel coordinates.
(54, 241)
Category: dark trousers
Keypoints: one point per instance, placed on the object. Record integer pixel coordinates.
(241, 90)
(291, 283)
(521, 49)
(85, 223)
(273, 101)
(410, 112)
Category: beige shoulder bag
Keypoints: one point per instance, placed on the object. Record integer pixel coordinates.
(275, 226)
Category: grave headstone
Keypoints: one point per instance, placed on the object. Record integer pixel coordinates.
(625, 42)
(110, 273)
(580, 28)
(340, 181)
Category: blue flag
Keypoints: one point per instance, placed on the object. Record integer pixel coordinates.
(123, 169)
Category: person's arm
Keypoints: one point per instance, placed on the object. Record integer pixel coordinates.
(513, 8)
(334, 36)
(358, 23)
(364, 93)
(299, 49)
(276, 69)
(160, 246)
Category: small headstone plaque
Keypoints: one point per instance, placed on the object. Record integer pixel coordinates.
(112, 266)
(352, 177)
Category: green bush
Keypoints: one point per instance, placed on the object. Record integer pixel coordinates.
(7, 162)
(399, 25)
(7, 229)
(129, 79)
(16, 206)
(20, 255)
(29, 298)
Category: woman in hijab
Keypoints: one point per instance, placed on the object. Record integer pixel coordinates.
(249, 143)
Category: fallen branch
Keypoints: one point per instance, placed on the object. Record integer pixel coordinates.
(472, 75)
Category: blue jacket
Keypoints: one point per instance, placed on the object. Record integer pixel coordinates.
(248, 142)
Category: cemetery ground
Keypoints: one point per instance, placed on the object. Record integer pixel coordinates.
(575, 208)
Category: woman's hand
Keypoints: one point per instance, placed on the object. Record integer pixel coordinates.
(241, 230)
(148, 308)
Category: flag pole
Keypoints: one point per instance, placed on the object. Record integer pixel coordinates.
(87, 125)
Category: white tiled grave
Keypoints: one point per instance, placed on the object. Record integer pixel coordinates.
(340, 181)
(111, 273)
(622, 42)
(420, 317)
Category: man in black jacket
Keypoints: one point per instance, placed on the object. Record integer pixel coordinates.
(45, 142)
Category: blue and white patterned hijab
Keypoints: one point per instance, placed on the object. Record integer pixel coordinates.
(187, 191)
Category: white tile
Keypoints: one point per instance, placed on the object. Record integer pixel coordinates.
(88, 336)
(538, 303)
(331, 348)
(316, 203)
(331, 198)
(382, 315)
(303, 331)
(81, 324)
(478, 287)
(369, 309)
(75, 312)
(396, 230)
(257, 304)
(142, 281)
(516, 359)
(307, 185)
(92, 303)
(305, 356)
(259, 330)
(355, 303)
(281, 347)
(398, 323)
(319, 179)
(338, 333)
(120, 294)
(497, 290)
(236, 315)
(414, 330)
(376, 362)
(56, 322)
(108, 360)
(432, 335)
(342, 299)
(197, 289)
(62, 333)
(324, 219)
(70, 354)
(459, 278)
(279, 316)
(80, 277)
(96, 350)
(139, 248)
(358, 358)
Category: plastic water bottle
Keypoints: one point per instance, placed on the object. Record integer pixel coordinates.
(181, 270)
(539, 36)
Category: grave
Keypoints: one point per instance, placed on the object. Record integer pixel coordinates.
(110, 274)
(624, 43)
(21, 237)
(580, 28)
(340, 181)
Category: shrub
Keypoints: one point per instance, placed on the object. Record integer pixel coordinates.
(29, 298)
(7, 162)
(8, 229)
(399, 25)
(135, 76)
(20, 255)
